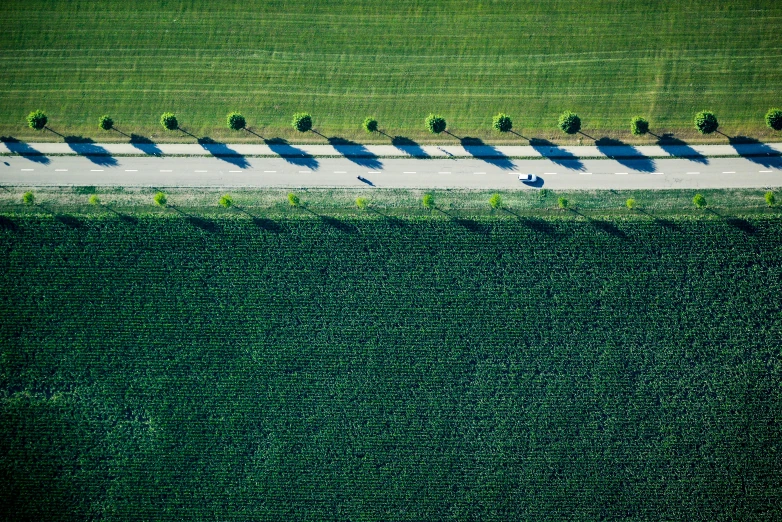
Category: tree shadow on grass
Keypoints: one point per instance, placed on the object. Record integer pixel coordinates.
(23, 149)
(738, 223)
(356, 153)
(632, 158)
(536, 224)
(467, 224)
(408, 146)
(87, 148)
(223, 152)
(334, 222)
(199, 222)
(266, 224)
(556, 154)
(393, 221)
(7, 223)
(69, 221)
(756, 151)
(678, 148)
(291, 154)
(670, 225)
(145, 145)
(123, 217)
(480, 150)
(605, 226)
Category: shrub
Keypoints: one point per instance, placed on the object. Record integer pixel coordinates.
(630, 203)
(435, 124)
(94, 200)
(706, 122)
(563, 203)
(770, 199)
(160, 199)
(639, 126)
(105, 122)
(226, 200)
(370, 124)
(543, 193)
(302, 121)
(37, 120)
(236, 121)
(28, 198)
(774, 119)
(502, 123)
(169, 121)
(495, 201)
(428, 201)
(569, 122)
(294, 200)
(362, 203)
(699, 201)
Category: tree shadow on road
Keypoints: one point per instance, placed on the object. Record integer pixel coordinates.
(480, 150)
(23, 149)
(556, 154)
(678, 148)
(87, 148)
(756, 151)
(632, 159)
(223, 152)
(291, 154)
(145, 145)
(408, 146)
(356, 153)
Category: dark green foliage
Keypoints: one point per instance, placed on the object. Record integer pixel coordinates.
(28, 198)
(699, 201)
(435, 124)
(428, 201)
(302, 121)
(169, 121)
(770, 198)
(105, 122)
(37, 120)
(370, 124)
(236, 121)
(561, 372)
(226, 201)
(495, 201)
(706, 122)
(293, 200)
(639, 126)
(160, 199)
(774, 119)
(502, 123)
(569, 122)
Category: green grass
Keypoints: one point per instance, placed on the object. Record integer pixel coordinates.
(398, 61)
(366, 369)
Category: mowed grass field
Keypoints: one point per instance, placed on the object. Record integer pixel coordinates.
(344, 60)
(367, 369)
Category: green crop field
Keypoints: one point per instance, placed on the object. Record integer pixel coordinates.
(398, 61)
(175, 367)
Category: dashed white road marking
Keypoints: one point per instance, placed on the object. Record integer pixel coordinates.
(408, 172)
(443, 172)
(479, 173)
(60, 170)
(657, 173)
(234, 171)
(729, 172)
(340, 172)
(305, 172)
(27, 170)
(166, 171)
(373, 172)
(269, 171)
(622, 173)
(693, 173)
(200, 171)
(549, 173)
(133, 170)
(765, 171)
(96, 170)
(585, 173)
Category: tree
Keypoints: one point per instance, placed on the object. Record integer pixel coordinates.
(236, 121)
(563, 203)
(94, 200)
(569, 122)
(774, 119)
(226, 201)
(435, 124)
(28, 198)
(639, 126)
(160, 199)
(105, 122)
(502, 123)
(706, 122)
(495, 201)
(169, 121)
(294, 200)
(302, 121)
(362, 203)
(699, 201)
(370, 124)
(770, 199)
(630, 203)
(37, 120)
(428, 201)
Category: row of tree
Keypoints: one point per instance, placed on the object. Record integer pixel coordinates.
(569, 122)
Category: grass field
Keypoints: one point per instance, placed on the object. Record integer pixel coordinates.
(306, 368)
(344, 60)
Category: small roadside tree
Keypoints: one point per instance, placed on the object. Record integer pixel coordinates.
(362, 203)
(706, 122)
(699, 201)
(160, 199)
(428, 201)
(639, 126)
(563, 203)
(235, 121)
(94, 200)
(435, 124)
(774, 119)
(630, 203)
(169, 121)
(28, 198)
(302, 121)
(770, 199)
(37, 120)
(502, 123)
(294, 200)
(569, 122)
(370, 124)
(226, 200)
(105, 122)
(495, 201)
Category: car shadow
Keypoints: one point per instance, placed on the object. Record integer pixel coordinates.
(355, 152)
(223, 152)
(756, 151)
(87, 148)
(632, 158)
(678, 148)
(23, 149)
(480, 150)
(556, 154)
(291, 154)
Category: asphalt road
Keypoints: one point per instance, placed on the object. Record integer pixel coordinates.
(700, 172)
